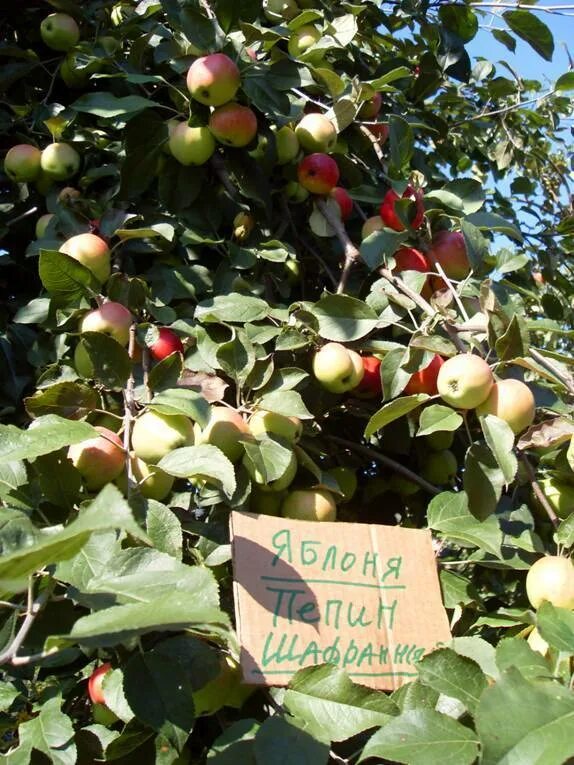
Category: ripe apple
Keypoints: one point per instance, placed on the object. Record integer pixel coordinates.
(280, 10)
(60, 161)
(22, 163)
(233, 125)
(464, 381)
(552, 579)
(449, 251)
(91, 251)
(243, 225)
(425, 380)
(380, 131)
(309, 505)
(262, 422)
(302, 39)
(341, 196)
(95, 682)
(370, 109)
(318, 173)
(59, 31)
(154, 435)
(375, 223)
(153, 482)
(213, 80)
(512, 401)
(295, 192)
(99, 460)
(389, 215)
(370, 385)
(265, 502)
(191, 145)
(224, 429)
(111, 319)
(286, 145)
(279, 484)
(167, 343)
(409, 259)
(439, 467)
(440, 439)
(42, 224)
(316, 133)
(338, 369)
(560, 495)
(347, 479)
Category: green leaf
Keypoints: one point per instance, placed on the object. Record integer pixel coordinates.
(190, 403)
(380, 245)
(267, 459)
(423, 737)
(50, 732)
(515, 652)
(459, 19)
(556, 625)
(103, 358)
(500, 439)
(463, 195)
(205, 461)
(438, 417)
(494, 222)
(565, 532)
(65, 278)
(235, 744)
(280, 742)
(104, 104)
(45, 435)
(401, 141)
(483, 481)
(325, 699)
(8, 693)
(393, 411)
(71, 400)
(565, 82)
(448, 513)
(145, 136)
(286, 402)
(454, 675)
(164, 529)
(343, 318)
(532, 30)
(233, 308)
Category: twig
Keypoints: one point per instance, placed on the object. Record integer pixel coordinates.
(221, 172)
(376, 145)
(207, 8)
(504, 110)
(384, 460)
(145, 367)
(31, 211)
(129, 412)
(20, 661)
(352, 254)
(540, 496)
(32, 611)
(564, 378)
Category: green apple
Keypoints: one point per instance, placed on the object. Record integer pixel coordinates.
(560, 495)
(22, 163)
(309, 505)
(512, 401)
(59, 31)
(439, 440)
(337, 368)
(262, 422)
(60, 161)
(154, 435)
(551, 578)
(280, 11)
(347, 479)
(295, 192)
(403, 486)
(265, 502)
(439, 467)
(99, 460)
(243, 225)
(42, 224)
(464, 381)
(302, 39)
(92, 252)
(279, 484)
(224, 690)
(191, 145)
(316, 133)
(111, 319)
(224, 429)
(153, 482)
(286, 145)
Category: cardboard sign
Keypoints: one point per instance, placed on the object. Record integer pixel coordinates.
(363, 597)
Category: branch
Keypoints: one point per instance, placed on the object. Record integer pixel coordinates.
(504, 109)
(221, 172)
(351, 252)
(384, 460)
(129, 412)
(540, 496)
(376, 145)
(564, 378)
(32, 611)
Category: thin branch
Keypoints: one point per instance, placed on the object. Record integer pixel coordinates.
(564, 378)
(220, 170)
(388, 462)
(504, 110)
(31, 211)
(352, 254)
(540, 496)
(525, 6)
(32, 611)
(375, 142)
(129, 412)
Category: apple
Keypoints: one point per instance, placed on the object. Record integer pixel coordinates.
(537, 642)
(347, 479)
(68, 195)
(449, 251)
(286, 145)
(280, 10)
(538, 277)
(60, 161)
(302, 39)
(227, 689)
(224, 429)
(42, 224)
(309, 505)
(370, 109)
(403, 486)
(95, 682)
(316, 133)
(153, 482)
(552, 579)
(380, 131)
(191, 145)
(425, 380)
(318, 173)
(370, 385)
(262, 422)
(279, 484)
(264, 502)
(111, 319)
(91, 251)
(243, 225)
(75, 75)
(295, 192)
(22, 163)
(464, 381)
(154, 435)
(341, 196)
(512, 401)
(59, 31)
(440, 439)
(99, 460)
(389, 215)
(409, 259)
(213, 80)
(233, 125)
(560, 495)
(439, 467)
(167, 343)
(110, 44)
(375, 223)
(338, 369)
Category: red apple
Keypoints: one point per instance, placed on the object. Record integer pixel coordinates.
(390, 217)
(213, 80)
(371, 108)
(318, 173)
(343, 200)
(233, 125)
(424, 381)
(95, 682)
(409, 259)
(370, 385)
(380, 131)
(167, 343)
(111, 319)
(92, 252)
(449, 251)
(99, 460)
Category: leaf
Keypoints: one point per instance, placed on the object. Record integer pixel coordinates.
(500, 439)
(267, 460)
(47, 434)
(104, 104)
(380, 245)
(423, 737)
(164, 529)
(205, 461)
(401, 141)
(454, 675)
(145, 136)
(280, 742)
(343, 318)
(463, 195)
(565, 82)
(556, 625)
(50, 732)
(235, 744)
(448, 513)
(438, 417)
(103, 358)
(459, 19)
(71, 400)
(483, 481)
(286, 402)
(65, 278)
(532, 30)
(565, 532)
(393, 411)
(325, 699)
(494, 222)
(182, 401)
(515, 652)
(233, 308)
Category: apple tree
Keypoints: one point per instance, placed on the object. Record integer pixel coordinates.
(298, 258)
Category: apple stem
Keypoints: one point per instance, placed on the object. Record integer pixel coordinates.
(145, 367)
(540, 496)
(352, 254)
(34, 606)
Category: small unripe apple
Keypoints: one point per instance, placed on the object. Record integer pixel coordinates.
(318, 173)
(99, 460)
(265, 502)
(111, 319)
(59, 31)
(243, 225)
(281, 483)
(439, 440)
(302, 39)
(560, 495)
(286, 145)
(280, 11)
(512, 401)
(60, 161)
(439, 467)
(91, 251)
(263, 422)
(309, 505)
(341, 196)
(154, 435)
(153, 482)
(213, 80)
(337, 368)
(22, 163)
(347, 479)
(316, 133)
(370, 109)
(295, 192)
(389, 215)
(375, 223)
(551, 578)
(464, 381)
(370, 385)
(403, 486)
(95, 682)
(167, 343)
(233, 125)
(42, 224)
(191, 145)
(425, 380)
(224, 429)
(448, 249)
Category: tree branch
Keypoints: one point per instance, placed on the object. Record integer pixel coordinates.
(129, 412)
(351, 252)
(564, 378)
(540, 496)
(32, 611)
